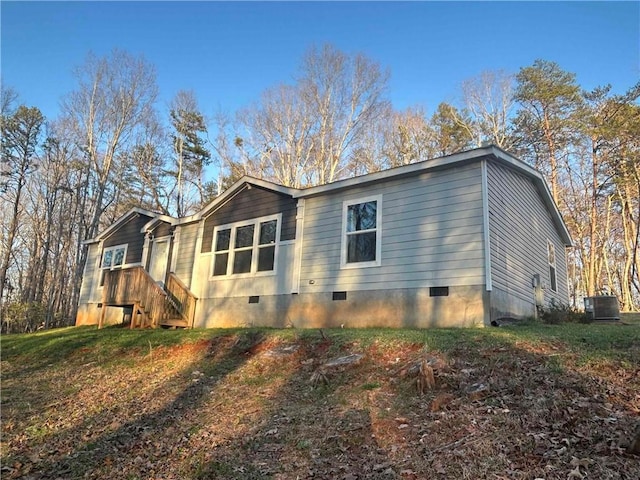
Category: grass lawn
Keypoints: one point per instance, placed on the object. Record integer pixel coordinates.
(521, 402)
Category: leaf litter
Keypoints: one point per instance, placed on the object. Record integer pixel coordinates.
(246, 406)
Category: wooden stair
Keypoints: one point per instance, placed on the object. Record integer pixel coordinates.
(153, 306)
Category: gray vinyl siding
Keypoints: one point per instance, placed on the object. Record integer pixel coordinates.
(277, 283)
(129, 233)
(431, 234)
(89, 276)
(519, 227)
(185, 254)
(162, 229)
(252, 203)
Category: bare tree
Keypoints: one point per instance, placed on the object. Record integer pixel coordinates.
(115, 94)
(151, 185)
(8, 98)
(20, 139)
(410, 139)
(311, 132)
(278, 142)
(348, 94)
(489, 100)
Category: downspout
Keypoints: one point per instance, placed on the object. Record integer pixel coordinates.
(487, 238)
(175, 244)
(198, 285)
(297, 261)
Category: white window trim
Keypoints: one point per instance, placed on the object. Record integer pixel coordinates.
(124, 246)
(112, 267)
(254, 249)
(343, 250)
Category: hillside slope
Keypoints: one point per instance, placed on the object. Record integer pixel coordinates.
(552, 402)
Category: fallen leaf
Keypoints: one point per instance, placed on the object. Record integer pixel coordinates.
(575, 473)
(580, 462)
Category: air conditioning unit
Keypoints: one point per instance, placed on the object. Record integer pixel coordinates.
(603, 308)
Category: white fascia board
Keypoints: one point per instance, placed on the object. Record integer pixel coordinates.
(158, 218)
(449, 161)
(245, 182)
(114, 226)
(391, 173)
(271, 186)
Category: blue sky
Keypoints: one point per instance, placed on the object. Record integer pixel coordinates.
(228, 53)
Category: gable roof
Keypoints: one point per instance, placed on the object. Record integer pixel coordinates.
(490, 152)
(158, 218)
(125, 218)
(515, 163)
(242, 184)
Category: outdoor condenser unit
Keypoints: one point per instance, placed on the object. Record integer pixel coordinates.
(602, 307)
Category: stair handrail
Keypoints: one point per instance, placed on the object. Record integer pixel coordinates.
(139, 288)
(184, 300)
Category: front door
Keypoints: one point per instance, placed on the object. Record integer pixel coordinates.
(159, 259)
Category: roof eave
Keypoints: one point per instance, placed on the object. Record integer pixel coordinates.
(124, 218)
(543, 188)
(234, 189)
(159, 218)
(425, 165)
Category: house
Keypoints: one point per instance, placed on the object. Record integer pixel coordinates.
(460, 240)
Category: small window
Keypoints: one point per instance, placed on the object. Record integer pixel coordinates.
(107, 259)
(112, 257)
(245, 248)
(361, 233)
(551, 253)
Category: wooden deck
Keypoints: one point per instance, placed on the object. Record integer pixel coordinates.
(152, 305)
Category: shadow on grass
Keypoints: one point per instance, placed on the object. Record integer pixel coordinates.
(97, 454)
(368, 422)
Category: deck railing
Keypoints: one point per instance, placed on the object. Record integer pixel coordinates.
(134, 286)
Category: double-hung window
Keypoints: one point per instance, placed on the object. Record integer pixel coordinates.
(246, 248)
(361, 232)
(112, 257)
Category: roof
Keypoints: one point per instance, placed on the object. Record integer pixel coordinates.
(489, 152)
(493, 152)
(125, 218)
(242, 184)
(158, 218)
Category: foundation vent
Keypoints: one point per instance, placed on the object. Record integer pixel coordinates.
(438, 291)
(254, 299)
(339, 295)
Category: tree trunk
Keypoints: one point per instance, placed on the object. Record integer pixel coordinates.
(11, 235)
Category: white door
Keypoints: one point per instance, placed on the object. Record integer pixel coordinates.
(159, 259)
